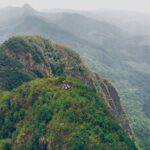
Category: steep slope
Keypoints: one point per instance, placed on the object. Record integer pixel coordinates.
(43, 115)
(26, 58)
(111, 97)
(123, 58)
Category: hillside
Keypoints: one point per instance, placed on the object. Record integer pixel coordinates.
(110, 51)
(41, 114)
(24, 58)
(66, 105)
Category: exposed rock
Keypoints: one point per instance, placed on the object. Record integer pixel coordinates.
(27, 61)
(112, 99)
(66, 86)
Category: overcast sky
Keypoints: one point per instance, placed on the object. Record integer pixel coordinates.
(133, 5)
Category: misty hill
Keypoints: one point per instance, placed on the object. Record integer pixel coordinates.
(136, 23)
(46, 26)
(82, 27)
(66, 111)
(106, 46)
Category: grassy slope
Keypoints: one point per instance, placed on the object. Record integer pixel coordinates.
(40, 114)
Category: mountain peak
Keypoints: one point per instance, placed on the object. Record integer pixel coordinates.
(27, 6)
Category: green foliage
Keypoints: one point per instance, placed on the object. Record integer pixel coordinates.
(5, 144)
(24, 58)
(42, 115)
(138, 120)
(17, 45)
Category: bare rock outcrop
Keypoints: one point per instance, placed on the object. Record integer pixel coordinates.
(112, 99)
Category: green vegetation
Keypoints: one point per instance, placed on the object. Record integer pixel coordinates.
(12, 73)
(24, 58)
(138, 120)
(121, 58)
(42, 115)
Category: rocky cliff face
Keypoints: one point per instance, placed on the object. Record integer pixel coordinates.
(26, 59)
(112, 99)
